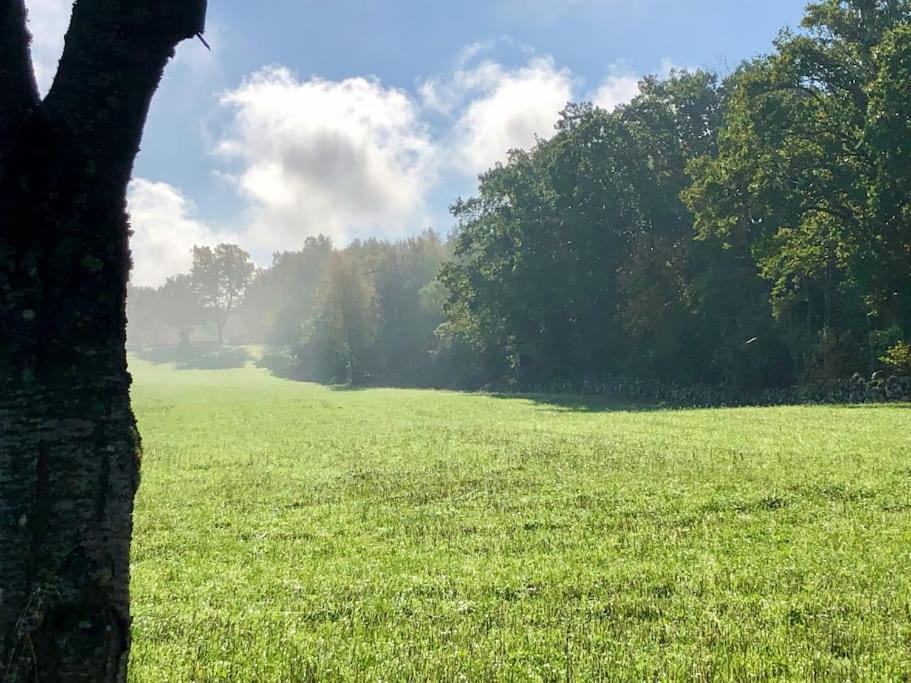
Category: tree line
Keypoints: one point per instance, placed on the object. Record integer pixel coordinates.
(751, 231)
(367, 313)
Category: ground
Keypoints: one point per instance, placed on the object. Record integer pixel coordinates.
(287, 531)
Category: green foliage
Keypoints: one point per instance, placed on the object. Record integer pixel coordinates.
(219, 278)
(288, 532)
(282, 297)
(210, 293)
(373, 314)
(578, 260)
(812, 173)
(344, 327)
(199, 356)
(898, 359)
(154, 315)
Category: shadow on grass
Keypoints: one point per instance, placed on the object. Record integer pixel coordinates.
(582, 403)
(698, 397)
(196, 356)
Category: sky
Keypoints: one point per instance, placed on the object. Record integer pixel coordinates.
(368, 118)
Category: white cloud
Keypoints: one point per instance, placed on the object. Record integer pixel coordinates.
(616, 89)
(514, 108)
(354, 158)
(668, 66)
(498, 109)
(347, 159)
(622, 84)
(164, 232)
(47, 22)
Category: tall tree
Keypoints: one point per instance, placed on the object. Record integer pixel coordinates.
(220, 277)
(177, 306)
(281, 298)
(812, 171)
(344, 326)
(68, 441)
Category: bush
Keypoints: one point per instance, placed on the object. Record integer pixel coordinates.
(898, 359)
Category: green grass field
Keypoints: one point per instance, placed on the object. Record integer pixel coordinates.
(294, 532)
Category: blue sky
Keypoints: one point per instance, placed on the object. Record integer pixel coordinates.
(359, 118)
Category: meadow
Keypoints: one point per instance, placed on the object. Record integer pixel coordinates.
(288, 531)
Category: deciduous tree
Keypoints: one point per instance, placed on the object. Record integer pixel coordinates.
(220, 277)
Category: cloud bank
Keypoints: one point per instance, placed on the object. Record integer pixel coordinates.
(348, 159)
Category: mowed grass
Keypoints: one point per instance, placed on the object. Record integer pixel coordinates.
(290, 532)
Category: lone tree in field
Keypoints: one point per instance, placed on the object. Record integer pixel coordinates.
(220, 277)
(68, 442)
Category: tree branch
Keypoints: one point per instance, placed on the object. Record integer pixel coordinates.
(18, 90)
(113, 60)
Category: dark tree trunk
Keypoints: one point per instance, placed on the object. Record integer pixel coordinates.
(68, 443)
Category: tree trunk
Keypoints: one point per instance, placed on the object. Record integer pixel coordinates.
(69, 450)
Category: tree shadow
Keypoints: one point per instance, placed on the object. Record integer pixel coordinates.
(581, 403)
(196, 356)
(592, 403)
(335, 386)
(350, 388)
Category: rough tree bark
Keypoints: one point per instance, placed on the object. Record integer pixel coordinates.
(69, 450)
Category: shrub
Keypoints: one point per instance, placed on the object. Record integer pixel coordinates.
(898, 359)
